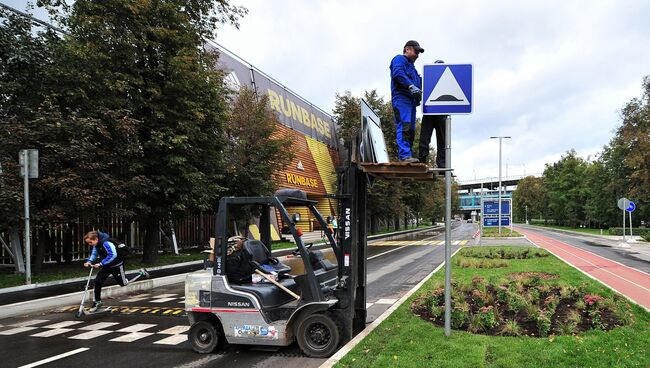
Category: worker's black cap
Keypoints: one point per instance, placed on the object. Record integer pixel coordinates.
(415, 45)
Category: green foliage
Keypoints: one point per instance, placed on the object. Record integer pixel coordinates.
(460, 315)
(510, 328)
(253, 150)
(575, 191)
(543, 324)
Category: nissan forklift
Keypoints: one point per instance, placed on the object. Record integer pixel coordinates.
(325, 306)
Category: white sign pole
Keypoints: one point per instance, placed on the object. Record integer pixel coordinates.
(631, 235)
(623, 225)
(448, 226)
(28, 258)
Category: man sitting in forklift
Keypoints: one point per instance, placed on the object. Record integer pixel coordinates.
(238, 261)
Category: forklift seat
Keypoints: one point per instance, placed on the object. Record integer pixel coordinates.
(269, 295)
(261, 255)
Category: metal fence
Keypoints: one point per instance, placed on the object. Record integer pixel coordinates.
(64, 242)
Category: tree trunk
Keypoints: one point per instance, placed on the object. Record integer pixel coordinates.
(397, 223)
(41, 245)
(67, 244)
(373, 224)
(150, 247)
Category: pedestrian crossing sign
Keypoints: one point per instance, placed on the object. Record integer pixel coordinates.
(447, 89)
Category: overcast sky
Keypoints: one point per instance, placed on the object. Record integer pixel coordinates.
(551, 74)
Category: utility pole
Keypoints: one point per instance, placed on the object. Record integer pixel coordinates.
(500, 139)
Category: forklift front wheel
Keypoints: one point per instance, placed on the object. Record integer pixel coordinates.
(204, 337)
(318, 336)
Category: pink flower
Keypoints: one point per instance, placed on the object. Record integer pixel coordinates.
(591, 299)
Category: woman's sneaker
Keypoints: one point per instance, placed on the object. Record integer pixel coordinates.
(143, 273)
(96, 306)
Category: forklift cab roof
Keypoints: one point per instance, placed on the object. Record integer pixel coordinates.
(287, 197)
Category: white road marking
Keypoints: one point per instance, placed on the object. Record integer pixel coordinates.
(368, 305)
(136, 299)
(91, 334)
(63, 324)
(172, 340)
(136, 328)
(386, 301)
(56, 357)
(132, 336)
(30, 322)
(53, 332)
(161, 300)
(17, 330)
(165, 296)
(175, 330)
(99, 326)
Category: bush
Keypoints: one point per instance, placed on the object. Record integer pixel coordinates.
(519, 306)
(644, 233)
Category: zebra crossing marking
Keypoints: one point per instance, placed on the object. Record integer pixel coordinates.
(128, 333)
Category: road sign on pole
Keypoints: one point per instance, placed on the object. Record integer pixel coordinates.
(447, 89)
(28, 160)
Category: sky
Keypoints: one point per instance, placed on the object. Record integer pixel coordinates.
(553, 75)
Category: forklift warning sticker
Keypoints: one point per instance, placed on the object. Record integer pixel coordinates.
(256, 331)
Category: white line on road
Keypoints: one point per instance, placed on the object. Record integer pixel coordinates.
(402, 247)
(60, 356)
(172, 340)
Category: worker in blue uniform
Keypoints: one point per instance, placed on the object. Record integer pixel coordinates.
(406, 94)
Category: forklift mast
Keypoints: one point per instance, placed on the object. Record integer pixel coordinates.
(352, 239)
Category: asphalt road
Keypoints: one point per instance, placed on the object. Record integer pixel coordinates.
(149, 329)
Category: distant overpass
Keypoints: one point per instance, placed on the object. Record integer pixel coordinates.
(471, 191)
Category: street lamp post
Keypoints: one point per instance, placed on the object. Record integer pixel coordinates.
(500, 139)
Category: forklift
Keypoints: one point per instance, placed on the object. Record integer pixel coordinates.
(321, 309)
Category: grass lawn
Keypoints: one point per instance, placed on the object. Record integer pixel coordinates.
(54, 272)
(580, 230)
(406, 340)
(493, 232)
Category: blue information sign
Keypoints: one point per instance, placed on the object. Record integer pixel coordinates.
(492, 207)
(631, 207)
(447, 89)
(493, 221)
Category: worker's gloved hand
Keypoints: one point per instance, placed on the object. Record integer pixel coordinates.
(416, 92)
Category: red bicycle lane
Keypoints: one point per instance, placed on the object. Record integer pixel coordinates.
(628, 281)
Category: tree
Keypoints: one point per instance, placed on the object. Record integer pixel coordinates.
(254, 149)
(146, 61)
(528, 198)
(565, 186)
(35, 114)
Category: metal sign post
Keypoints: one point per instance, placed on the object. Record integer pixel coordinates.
(623, 204)
(447, 89)
(448, 226)
(28, 160)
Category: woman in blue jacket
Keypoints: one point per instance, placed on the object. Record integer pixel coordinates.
(111, 264)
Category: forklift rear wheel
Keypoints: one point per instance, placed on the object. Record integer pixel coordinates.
(318, 336)
(204, 337)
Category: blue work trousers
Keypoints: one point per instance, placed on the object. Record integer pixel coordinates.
(404, 112)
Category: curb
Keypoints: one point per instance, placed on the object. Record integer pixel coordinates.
(23, 308)
(66, 281)
(279, 253)
(357, 339)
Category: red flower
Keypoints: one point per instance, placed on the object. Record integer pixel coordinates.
(591, 299)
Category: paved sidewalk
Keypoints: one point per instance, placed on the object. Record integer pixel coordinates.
(628, 281)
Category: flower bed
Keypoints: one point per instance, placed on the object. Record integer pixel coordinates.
(523, 303)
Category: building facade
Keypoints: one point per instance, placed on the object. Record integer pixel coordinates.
(312, 130)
